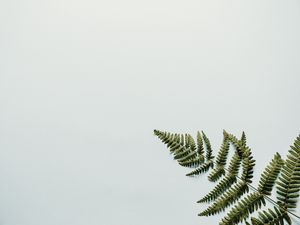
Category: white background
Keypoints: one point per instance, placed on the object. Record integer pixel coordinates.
(84, 83)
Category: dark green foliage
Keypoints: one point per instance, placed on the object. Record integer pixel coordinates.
(231, 187)
(238, 144)
(201, 169)
(254, 201)
(243, 208)
(270, 174)
(208, 147)
(271, 217)
(200, 149)
(226, 182)
(234, 165)
(216, 174)
(229, 197)
(223, 153)
(193, 162)
(222, 186)
(190, 142)
(234, 192)
(219, 170)
(243, 139)
(185, 154)
(288, 185)
(248, 165)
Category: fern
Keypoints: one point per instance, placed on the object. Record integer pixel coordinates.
(231, 187)
(254, 201)
(236, 191)
(245, 207)
(196, 158)
(193, 162)
(209, 159)
(272, 217)
(201, 169)
(209, 155)
(269, 175)
(229, 197)
(219, 189)
(226, 182)
(200, 149)
(219, 171)
(288, 187)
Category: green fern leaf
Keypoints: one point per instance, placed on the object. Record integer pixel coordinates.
(288, 186)
(219, 170)
(221, 187)
(243, 139)
(272, 217)
(208, 147)
(185, 154)
(203, 168)
(188, 153)
(200, 148)
(195, 162)
(270, 174)
(253, 201)
(229, 197)
(236, 191)
(243, 209)
(238, 144)
(190, 142)
(226, 182)
(248, 165)
(216, 174)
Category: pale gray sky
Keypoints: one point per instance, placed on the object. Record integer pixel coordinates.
(84, 83)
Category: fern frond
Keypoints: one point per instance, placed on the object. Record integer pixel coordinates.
(223, 153)
(226, 182)
(191, 155)
(216, 174)
(219, 170)
(187, 140)
(184, 155)
(171, 140)
(243, 139)
(208, 147)
(203, 168)
(181, 152)
(190, 142)
(270, 174)
(272, 217)
(248, 165)
(174, 143)
(193, 162)
(253, 201)
(235, 192)
(243, 209)
(238, 144)
(176, 147)
(288, 186)
(182, 139)
(234, 165)
(229, 197)
(179, 149)
(221, 187)
(188, 153)
(200, 148)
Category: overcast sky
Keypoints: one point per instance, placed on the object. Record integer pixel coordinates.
(84, 83)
